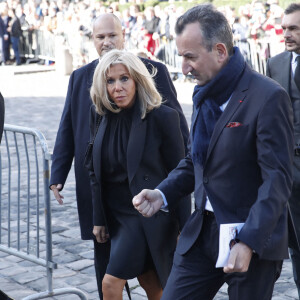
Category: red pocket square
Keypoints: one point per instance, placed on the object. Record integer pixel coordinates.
(234, 124)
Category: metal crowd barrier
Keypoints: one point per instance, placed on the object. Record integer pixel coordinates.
(167, 52)
(256, 54)
(252, 51)
(40, 44)
(25, 210)
(37, 44)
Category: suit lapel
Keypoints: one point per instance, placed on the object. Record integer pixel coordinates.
(237, 98)
(97, 148)
(136, 143)
(285, 68)
(90, 73)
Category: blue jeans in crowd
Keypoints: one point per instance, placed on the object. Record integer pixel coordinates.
(15, 45)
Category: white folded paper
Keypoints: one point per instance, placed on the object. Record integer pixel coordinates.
(228, 232)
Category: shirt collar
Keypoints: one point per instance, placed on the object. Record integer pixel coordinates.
(294, 56)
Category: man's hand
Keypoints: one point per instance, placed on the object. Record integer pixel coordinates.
(239, 258)
(148, 202)
(56, 188)
(100, 234)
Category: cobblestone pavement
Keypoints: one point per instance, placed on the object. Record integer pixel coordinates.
(36, 100)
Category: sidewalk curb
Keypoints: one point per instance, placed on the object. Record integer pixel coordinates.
(26, 69)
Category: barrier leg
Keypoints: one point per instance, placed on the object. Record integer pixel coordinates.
(57, 292)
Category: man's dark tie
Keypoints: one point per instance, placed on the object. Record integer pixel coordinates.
(297, 73)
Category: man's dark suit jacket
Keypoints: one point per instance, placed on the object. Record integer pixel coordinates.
(6, 43)
(155, 147)
(73, 135)
(279, 69)
(2, 28)
(248, 171)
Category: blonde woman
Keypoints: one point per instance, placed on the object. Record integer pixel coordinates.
(136, 142)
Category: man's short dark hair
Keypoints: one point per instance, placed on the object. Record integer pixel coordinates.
(213, 24)
(292, 8)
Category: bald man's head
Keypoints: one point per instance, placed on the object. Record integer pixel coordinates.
(108, 33)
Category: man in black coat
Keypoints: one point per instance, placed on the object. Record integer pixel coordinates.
(282, 68)
(73, 133)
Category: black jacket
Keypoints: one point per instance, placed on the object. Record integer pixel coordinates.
(155, 147)
(16, 30)
(73, 134)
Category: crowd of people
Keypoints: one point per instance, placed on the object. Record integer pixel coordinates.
(146, 31)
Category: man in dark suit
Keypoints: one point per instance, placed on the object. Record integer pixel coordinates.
(3, 37)
(283, 68)
(73, 133)
(240, 168)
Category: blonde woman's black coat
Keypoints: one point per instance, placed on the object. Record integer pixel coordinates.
(155, 147)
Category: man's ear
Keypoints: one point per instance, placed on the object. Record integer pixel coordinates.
(222, 52)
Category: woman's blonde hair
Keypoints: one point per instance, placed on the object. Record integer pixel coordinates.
(147, 94)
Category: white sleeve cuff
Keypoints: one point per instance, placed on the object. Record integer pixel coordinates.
(165, 205)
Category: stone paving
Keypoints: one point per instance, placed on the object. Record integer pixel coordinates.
(35, 99)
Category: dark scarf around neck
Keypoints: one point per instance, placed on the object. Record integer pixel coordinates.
(208, 99)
